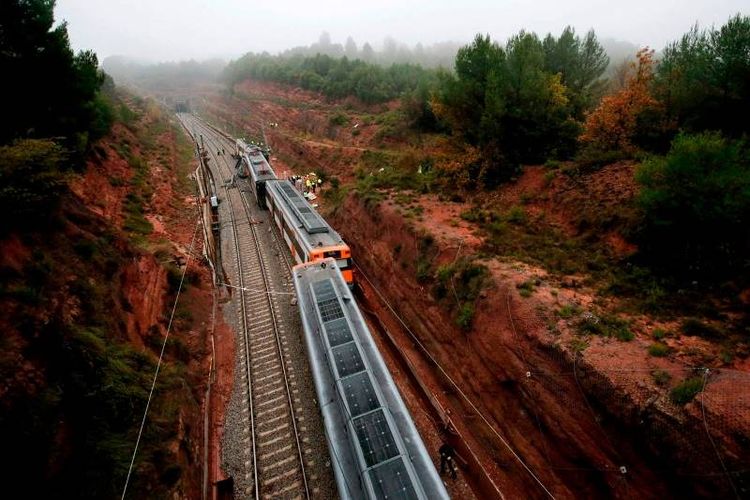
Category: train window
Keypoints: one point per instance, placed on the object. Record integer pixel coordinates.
(343, 263)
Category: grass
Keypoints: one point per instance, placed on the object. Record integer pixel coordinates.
(697, 328)
(661, 377)
(685, 391)
(658, 349)
(526, 289)
(568, 311)
(607, 326)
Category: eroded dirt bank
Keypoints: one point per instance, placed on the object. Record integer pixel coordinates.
(575, 419)
(86, 304)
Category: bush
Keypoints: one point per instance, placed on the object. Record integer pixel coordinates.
(697, 328)
(658, 349)
(696, 205)
(685, 391)
(661, 377)
(591, 158)
(465, 316)
(568, 311)
(516, 215)
(338, 120)
(659, 333)
(526, 289)
(607, 326)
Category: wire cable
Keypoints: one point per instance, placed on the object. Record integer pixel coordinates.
(458, 389)
(158, 364)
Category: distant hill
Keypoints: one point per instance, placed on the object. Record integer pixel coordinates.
(162, 76)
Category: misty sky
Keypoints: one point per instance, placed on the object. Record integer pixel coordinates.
(183, 29)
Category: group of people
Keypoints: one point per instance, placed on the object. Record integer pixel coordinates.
(307, 184)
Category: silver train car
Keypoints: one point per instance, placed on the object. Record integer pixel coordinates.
(376, 451)
(309, 237)
(254, 163)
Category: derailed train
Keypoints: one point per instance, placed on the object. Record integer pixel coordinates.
(375, 448)
(376, 451)
(306, 233)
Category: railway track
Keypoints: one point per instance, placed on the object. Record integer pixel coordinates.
(276, 460)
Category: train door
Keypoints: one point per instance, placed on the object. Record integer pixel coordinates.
(260, 194)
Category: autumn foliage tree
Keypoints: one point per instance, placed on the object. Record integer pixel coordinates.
(520, 103)
(614, 124)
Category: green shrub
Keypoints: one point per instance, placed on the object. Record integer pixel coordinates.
(465, 316)
(526, 289)
(697, 328)
(696, 203)
(338, 120)
(606, 326)
(474, 214)
(568, 311)
(661, 377)
(659, 333)
(516, 215)
(592, 158)
(685, 391)
(658, 349)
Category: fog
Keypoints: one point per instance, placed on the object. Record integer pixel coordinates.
(165, 30)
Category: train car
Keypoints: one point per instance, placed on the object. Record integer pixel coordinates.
(240, 148)
(376, 450)
(260, 172)
(306, 233)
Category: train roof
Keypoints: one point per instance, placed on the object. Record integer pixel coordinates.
(316, 232)
(261, 169)
(376, 449)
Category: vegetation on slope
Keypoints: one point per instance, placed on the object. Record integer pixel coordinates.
(333, 77)
(74, 380)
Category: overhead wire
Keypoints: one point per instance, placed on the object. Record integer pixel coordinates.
(458, 389)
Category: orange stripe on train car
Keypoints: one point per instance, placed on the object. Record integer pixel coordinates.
(348, 275)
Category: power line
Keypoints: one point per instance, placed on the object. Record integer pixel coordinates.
(458, 389)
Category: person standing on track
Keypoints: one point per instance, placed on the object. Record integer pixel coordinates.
(446, 459)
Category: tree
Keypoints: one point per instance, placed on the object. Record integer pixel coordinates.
(613, 125)
(703, 79)
(581, 63)
(350, 49)
(31, 180)
(49, 91)
(368, 55)
(696, 204)
(508, 104)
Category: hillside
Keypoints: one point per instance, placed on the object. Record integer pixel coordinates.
(615, 350)
(86, 303)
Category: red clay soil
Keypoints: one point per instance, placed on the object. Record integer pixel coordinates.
(520, 377)
(573, 410)
(173, 215)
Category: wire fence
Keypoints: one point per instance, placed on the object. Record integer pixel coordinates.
(687, 428)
